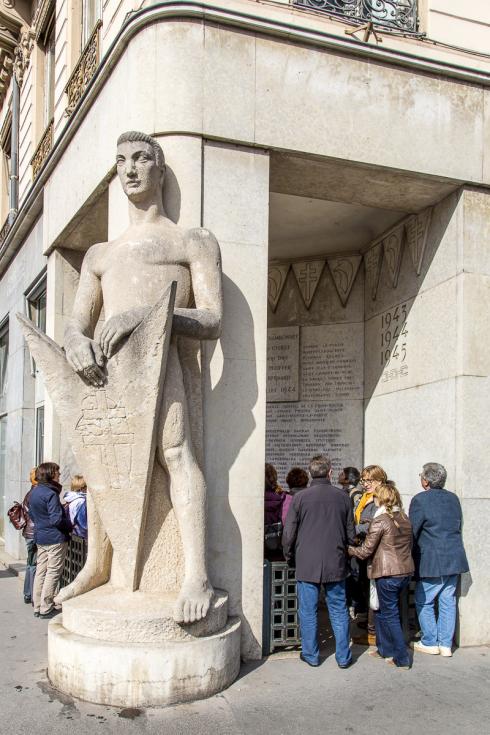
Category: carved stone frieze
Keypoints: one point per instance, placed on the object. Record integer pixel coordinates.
(343, 270)
(308, 276)
(417, 229)
(22, 54)
(276, 280)
(393, 248)
(84, 70)
(373, 260)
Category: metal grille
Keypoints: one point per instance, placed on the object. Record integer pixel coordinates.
(400, 15)
(281, 607)
(74, 559)
(281, 623)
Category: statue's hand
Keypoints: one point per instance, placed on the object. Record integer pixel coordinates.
(86, 358)
(116, 328)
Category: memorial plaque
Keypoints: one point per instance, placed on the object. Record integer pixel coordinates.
(387, 350)
(297, 431)
(283, 364)
(332, 362)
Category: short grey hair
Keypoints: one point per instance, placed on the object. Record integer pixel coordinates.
(134, 136)
(434, 474)
(320, 466)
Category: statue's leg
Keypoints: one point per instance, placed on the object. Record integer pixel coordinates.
(187, 492)
(97, 568)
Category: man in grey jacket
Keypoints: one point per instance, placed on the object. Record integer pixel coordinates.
(319, 528)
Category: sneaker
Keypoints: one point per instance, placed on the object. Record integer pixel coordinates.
(445, 651)
(421, 648)
(305, 660)
(27, 599)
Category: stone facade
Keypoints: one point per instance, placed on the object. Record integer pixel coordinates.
(296, 146)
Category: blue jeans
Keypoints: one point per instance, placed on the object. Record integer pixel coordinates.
(428, 589)
(308, 593)
(389, 635)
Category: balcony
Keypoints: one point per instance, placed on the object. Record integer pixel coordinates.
(43, 149)
(394, 15)
(84, 70)
(4, 231)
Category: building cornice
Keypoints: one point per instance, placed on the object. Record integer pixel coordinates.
(290, 29)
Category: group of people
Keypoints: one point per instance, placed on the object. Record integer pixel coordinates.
(49, 519)
(355, 544)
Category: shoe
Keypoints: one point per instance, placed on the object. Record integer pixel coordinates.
(390, 662)
(308, 662)
(371, 639)
(376, 654)
(421, 648)
(345, 666)
(51, 614)
(27, 599)
(445, 651)
(36, 614)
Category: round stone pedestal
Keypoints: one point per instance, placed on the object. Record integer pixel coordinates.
(151, 661)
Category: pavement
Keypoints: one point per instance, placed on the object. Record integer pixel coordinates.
(279, 695)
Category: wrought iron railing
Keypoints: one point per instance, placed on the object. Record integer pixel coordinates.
(84, 70)
(43, 149)
(399, 15)
(5, 229)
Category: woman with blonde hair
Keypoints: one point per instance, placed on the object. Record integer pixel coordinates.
(364, 509)
(388, 546)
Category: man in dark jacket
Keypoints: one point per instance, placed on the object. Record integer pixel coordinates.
(319, 528)
(439, 557)
(51, 537)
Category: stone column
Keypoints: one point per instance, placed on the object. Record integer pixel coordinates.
(436, 408)
(236, 199)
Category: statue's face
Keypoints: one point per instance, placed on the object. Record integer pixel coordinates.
(137, 168)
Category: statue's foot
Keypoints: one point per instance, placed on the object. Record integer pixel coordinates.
(84, 582)
(193, 602)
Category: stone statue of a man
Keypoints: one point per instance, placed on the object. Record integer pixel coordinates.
(128, 276)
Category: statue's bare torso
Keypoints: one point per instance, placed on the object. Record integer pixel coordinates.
(127, 277)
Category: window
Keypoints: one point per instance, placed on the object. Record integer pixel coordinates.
(48, 43)
(39, 435)
(3, 472)
(4, 356)
(6, 144)
(36, 306)
(91, 13)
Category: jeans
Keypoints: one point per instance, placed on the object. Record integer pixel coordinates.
(389, 635)
(308, 593)
(428, 589)
(30, 568)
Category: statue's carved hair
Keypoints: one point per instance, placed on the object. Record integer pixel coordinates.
(132, 136)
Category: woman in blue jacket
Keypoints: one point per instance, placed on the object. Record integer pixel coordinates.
(51, 536)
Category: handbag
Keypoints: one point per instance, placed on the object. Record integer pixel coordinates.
(16, 516)
(273, 536)
(373, 595)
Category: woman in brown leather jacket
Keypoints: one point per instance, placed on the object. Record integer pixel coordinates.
(388, 545)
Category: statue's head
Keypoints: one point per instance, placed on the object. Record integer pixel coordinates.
(140, 165)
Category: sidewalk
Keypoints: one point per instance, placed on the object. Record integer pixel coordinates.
(278, 696)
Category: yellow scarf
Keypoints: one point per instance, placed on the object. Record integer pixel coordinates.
(365, 500)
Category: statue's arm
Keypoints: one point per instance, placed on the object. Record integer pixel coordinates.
(204, 321)
(82, 352)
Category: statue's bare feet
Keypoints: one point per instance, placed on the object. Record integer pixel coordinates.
(85, 581)
(193, 601)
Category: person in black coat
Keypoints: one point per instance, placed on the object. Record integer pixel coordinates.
(319, 528)
(439, 557)
(51, 534)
